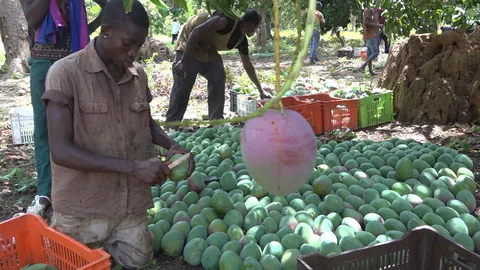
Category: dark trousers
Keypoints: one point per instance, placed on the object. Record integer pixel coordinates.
(382, 36)
(38, 74)
(214, 72)
(174, 38)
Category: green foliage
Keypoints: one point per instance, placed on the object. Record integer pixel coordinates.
(149, 68)
(228, 75)
(2, 57)
(227, 7)
(158, 15)
(265, 76)
(460, 144)
(338, 13)
(92, 9)
(425, 15)
(17, 76)
(20, 181)
(92, 12)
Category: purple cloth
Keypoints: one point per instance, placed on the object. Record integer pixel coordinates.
(78, 25)
(54, 24)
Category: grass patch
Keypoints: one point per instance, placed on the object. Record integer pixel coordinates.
(20, 181)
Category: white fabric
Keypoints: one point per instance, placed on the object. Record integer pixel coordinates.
(175, 28)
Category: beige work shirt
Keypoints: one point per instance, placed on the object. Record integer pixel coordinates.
(110, 119)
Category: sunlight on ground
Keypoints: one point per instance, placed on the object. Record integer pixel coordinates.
(2, 53)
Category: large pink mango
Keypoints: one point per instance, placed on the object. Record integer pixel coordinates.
(279, 151)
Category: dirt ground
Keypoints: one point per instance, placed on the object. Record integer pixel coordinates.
(17, 190)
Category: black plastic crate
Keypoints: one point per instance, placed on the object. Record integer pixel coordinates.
(420, 249)
(344, 52)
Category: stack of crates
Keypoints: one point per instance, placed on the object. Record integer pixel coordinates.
(311, 111)
(326, 113)
(336, 113)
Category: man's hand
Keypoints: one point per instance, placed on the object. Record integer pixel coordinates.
(177, 149)
(264, 95)
(179, 70)
(101, 3)
(152, 171)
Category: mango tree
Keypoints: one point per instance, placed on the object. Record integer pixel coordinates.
(425, 16)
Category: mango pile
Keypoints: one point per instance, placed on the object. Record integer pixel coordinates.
(360, 193)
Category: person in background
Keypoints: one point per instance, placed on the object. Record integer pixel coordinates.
(102, 138)
(317, 32)
(381, 33)
(56, 29)
(197, 47)
(337, 31)
(175, 29)
(370, 30)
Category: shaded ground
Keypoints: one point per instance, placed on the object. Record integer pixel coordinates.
(17, 165)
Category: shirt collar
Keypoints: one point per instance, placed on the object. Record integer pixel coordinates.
(95, 64)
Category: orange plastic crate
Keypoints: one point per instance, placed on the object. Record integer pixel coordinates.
(29, 240)
(310, 111)
(337, 113)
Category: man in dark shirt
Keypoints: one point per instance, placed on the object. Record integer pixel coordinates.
(199, 41)
(381, 34)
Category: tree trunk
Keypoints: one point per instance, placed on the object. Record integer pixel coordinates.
(268, 28)
(262, 31)
(14, 34)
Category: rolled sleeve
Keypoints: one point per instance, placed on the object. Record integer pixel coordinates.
(58, 86)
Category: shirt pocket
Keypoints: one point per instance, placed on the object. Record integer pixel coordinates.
(139, 115)
(138, 129)
(139, 106)
(94, 117)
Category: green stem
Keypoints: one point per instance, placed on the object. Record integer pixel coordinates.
(292, 76)
(277, 45)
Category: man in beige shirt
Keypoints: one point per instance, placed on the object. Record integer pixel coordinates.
(101, 140)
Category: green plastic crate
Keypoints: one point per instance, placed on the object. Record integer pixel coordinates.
(375, 109)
